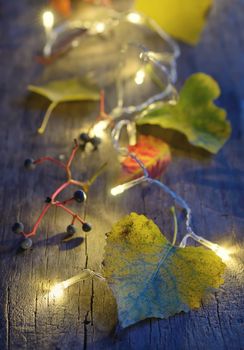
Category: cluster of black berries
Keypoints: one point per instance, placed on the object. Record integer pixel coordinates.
(18, 228)
(79, 196)
(85, 139)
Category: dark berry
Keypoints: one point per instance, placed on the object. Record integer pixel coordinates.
(86, 227)
(48, 200)
(84, 137)
(29, 164)
(83, 147)
(71, 230)
(26, 244)
(80, 196)
(18, 227)
(95, 141)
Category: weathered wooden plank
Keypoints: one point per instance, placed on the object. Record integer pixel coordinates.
(86, 317)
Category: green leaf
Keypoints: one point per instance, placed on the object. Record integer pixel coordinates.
(150, 277)
(63, 91)
(195, 115)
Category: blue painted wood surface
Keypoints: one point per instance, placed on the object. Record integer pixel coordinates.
(86, 317)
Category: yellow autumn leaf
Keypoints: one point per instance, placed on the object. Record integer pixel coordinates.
(150, 277)
(183, 19)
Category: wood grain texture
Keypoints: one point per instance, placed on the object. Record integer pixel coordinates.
(86, 317)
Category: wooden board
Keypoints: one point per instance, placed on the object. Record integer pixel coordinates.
(86, 317)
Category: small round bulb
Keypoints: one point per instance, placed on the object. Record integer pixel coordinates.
(57, 291)
(117, 190)
(48, 19)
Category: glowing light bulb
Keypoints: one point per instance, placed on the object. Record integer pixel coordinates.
(126, 186)
(100, 27)
(57, 291)
(223, 253)
(48, 20)
(134, 17)
(117, 190)
(140, 77)
(99, 128)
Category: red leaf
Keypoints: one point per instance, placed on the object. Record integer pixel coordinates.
(62, 6)
(153, 152)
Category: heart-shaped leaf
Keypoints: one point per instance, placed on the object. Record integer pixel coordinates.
(63, 91)
(150, 277)
(184, 20)
(195, 114)
(153, 152)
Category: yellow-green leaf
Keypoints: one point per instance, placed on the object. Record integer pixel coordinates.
(195, 115)
(58, 91)
(183, 19)
(150, 277)
(65, 90)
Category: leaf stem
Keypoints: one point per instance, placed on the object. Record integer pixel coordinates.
(172, 209)
(96, 175)
(46, 117)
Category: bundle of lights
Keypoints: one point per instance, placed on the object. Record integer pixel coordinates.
(160, 65)
(100, 21)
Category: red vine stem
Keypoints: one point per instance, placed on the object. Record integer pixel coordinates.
(74, 150)
(102, 114)
(50, 159)
(33, 232)
(85, 186)
(102, 102)
(75, 216)
(78, 183)
(67, 201)
(60, 189)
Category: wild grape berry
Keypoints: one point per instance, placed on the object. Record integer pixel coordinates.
(48, 200)
(71, 230)
(83, 147)
(18, 227)
(84, 137)
(86, 227)
(95, 141)
(79, 196)
(26, 244)
(29, 164)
